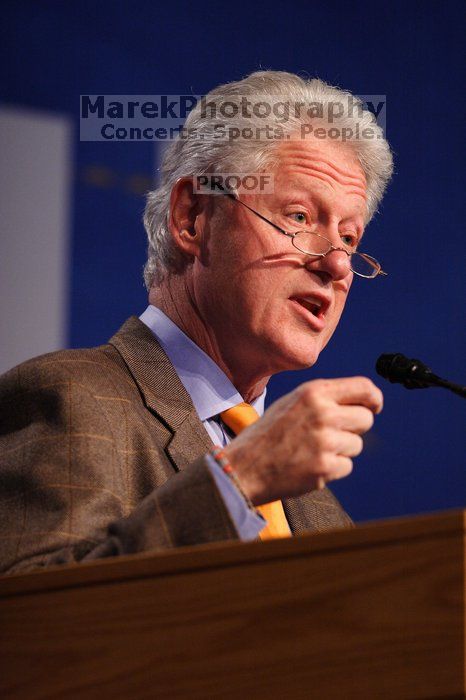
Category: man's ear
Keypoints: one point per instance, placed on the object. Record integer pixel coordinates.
(185, 206)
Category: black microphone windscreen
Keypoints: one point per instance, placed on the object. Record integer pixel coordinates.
(397, 368)
(386, 364)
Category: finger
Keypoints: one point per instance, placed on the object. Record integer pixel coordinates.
(355, 419)
(340, 467)
(347, 444)
(353, 391)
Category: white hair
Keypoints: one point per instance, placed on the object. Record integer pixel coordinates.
(205, 153)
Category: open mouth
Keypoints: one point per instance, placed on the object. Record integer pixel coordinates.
(314, 309)
(315, 306)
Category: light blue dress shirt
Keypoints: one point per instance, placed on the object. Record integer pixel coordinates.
(211, 393)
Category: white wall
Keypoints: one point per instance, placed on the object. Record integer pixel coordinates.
(35, 192)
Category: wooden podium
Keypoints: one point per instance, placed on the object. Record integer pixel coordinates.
(374, 612)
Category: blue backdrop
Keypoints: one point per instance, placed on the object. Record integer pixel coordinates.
(51, 52)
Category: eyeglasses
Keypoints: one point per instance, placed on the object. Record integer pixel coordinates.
(318, 246)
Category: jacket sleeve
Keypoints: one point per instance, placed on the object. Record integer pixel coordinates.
(67, 489)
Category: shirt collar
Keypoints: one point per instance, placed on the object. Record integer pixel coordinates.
(208, 386)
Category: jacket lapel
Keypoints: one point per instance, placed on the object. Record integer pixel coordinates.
(162, 391)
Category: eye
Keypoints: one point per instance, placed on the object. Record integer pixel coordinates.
(300, 217)
(350, 240)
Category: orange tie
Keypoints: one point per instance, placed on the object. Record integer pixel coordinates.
(238, 418)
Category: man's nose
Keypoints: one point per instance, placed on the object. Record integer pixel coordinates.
(337, 264)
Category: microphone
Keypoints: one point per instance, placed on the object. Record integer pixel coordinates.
(412, 373)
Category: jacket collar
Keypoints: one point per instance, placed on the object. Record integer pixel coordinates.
(162, 391)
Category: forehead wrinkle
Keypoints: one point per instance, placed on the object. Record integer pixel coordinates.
(352, 186)
(295, 151)
(359, 192)
(304, 162)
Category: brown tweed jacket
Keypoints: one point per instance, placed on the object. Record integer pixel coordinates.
(102, 453)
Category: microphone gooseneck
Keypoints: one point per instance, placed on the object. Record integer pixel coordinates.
(412, 373)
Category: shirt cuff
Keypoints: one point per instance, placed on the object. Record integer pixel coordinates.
(248, 522)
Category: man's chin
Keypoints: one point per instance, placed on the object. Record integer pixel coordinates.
(297, 357)
(305, 362)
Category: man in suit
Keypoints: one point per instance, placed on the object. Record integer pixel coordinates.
(109, 450)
